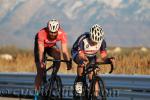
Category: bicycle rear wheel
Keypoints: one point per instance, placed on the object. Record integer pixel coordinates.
(80, 90)
(55, 88)
(100, 92)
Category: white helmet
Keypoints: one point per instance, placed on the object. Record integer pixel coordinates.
(53, 25)
(96, 33)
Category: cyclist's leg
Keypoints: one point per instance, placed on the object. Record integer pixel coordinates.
(55, 53)
(79, 68)
(38, 78)
(80, 87)
(40, 71)
(78, 61)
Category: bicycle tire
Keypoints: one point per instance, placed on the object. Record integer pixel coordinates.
(101, 86)
(83, 95)
(43, 91)
(55, 88)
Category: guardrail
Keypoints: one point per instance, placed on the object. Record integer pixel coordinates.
(119, 87)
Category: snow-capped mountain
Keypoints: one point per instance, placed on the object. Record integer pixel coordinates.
(125, 22)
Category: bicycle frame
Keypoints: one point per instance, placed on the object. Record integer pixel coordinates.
(52, 67)
(91, 67)
(97, 80)
(46, 89)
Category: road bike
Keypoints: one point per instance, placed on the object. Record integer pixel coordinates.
(95, 90)
(51, 88)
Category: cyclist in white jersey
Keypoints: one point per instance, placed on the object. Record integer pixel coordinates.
(87, 46)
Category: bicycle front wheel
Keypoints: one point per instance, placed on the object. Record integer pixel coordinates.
(97, 89)
(55, 89)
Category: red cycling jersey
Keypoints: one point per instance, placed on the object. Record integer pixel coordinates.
(43, 37)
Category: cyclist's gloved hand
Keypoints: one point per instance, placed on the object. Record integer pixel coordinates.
(81, 63)
(69, 64)
(43, 65)
(109, 60)
(82, 56)
(83, 59)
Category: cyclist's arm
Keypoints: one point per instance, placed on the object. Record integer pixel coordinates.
(66, 55)
(81, 52)
(103, 51)
(64, 48)
(65, 51)
(40, 49)
(64, 45)
(103, 54)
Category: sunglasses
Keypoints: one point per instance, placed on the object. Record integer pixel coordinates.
(53, 32)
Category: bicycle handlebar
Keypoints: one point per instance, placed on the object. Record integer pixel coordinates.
(103, 63)
(58, 60)
(93, 66)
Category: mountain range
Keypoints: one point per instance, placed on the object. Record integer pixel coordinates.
(125, 22)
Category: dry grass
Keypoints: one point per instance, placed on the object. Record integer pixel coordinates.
(132, 62)
(129, 61)
(22, 62)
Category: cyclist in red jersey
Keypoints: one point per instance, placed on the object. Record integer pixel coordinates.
(45, 43)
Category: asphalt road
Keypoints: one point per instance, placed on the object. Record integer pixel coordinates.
(5, 98)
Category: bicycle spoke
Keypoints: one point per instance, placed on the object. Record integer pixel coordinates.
(56, 89)
(97, 89)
